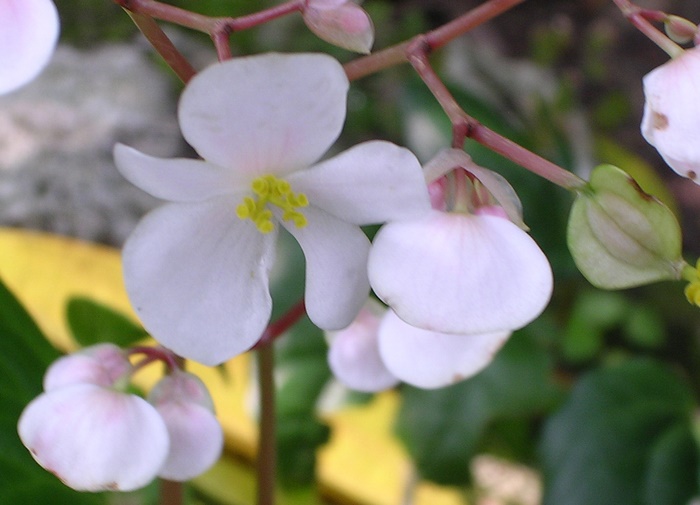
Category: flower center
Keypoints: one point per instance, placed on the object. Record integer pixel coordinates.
(271, 190)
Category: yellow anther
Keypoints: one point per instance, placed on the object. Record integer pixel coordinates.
(272, 191)
(692, 290)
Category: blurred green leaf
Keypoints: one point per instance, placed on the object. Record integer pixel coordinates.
(92, 322)
(24, 356)
(622, 438)
(442, 429)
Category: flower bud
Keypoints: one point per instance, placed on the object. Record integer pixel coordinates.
(680, 30)
(341, 23)
(94, 438)
(196, 437)
(620, 236)
(100, 365)
(354, 353)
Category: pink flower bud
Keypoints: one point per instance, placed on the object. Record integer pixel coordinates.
(100, 365)
(354, 353)
(671, 118)
(343, 24)
(95, 439)
(196, 437)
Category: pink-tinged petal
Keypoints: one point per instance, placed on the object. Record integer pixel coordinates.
(181, 386)
(346, 25)
(265, 114)
(100, 365)
(372, 182)
(336, 268)
(28, 35)
(178, 180)
(429, 359)
(95, 439)
(354, 353)
(671, 119)
(196, 440)
(459, 273)
(197, 276)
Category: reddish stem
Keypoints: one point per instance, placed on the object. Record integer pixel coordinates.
(282, 324)
(638, 18)
(171, 361)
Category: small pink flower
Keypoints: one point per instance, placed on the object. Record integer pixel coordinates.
(341, 23)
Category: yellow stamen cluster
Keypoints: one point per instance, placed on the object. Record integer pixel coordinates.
(271, 190)
(692, 290)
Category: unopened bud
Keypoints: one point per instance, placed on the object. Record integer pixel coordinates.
(680, 30)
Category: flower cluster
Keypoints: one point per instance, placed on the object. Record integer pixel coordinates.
(28, 35)
(93, 435)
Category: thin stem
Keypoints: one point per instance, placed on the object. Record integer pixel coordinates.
(635, 15)
(463, 126)
(162, 44)
(172, 493)
(282, 324)
(362, 67)
(267, 458)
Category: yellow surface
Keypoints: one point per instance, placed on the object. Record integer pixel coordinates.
(362, 464)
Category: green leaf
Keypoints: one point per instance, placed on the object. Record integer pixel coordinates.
(92, 322)
(620, 236)
(25, 353)
(442, 429)
(613, 440)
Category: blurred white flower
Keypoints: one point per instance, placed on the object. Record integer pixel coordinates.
(671, 121)
(28, 34)
(197, 269)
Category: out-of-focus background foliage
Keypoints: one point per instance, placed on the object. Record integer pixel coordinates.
(593, 404)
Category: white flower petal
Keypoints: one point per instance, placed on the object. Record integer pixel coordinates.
(429, 359)
(265, 114)
(95, 439)
(196, 440)
(672, 112)
(354, 354)
(197, 276)
(458, 273)
(372, 182)
(178, 180)
(336, 268)
(28, 35)
(100, 365)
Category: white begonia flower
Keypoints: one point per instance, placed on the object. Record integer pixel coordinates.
(671, 120)
(429, 359)
(196, 437)
(28, 34)
(354, 357)
(90, 435)
(461, 272)
(196, 269)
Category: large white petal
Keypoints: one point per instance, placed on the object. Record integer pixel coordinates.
(265, 114)
(429, 359)
(459, 273)
(28, 35)
(372, 182)
(178, 180)
(354, 353)
(197, 276)
(95, 439)
(672, 113)
(336, 268)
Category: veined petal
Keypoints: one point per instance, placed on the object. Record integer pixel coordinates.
(177, 180)
(428, 359)
(265, 114)
(95, 439)
(354, 353)
(372, 182)
(459, 273)
(336, 268)
(28, 35)
(197, 276)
